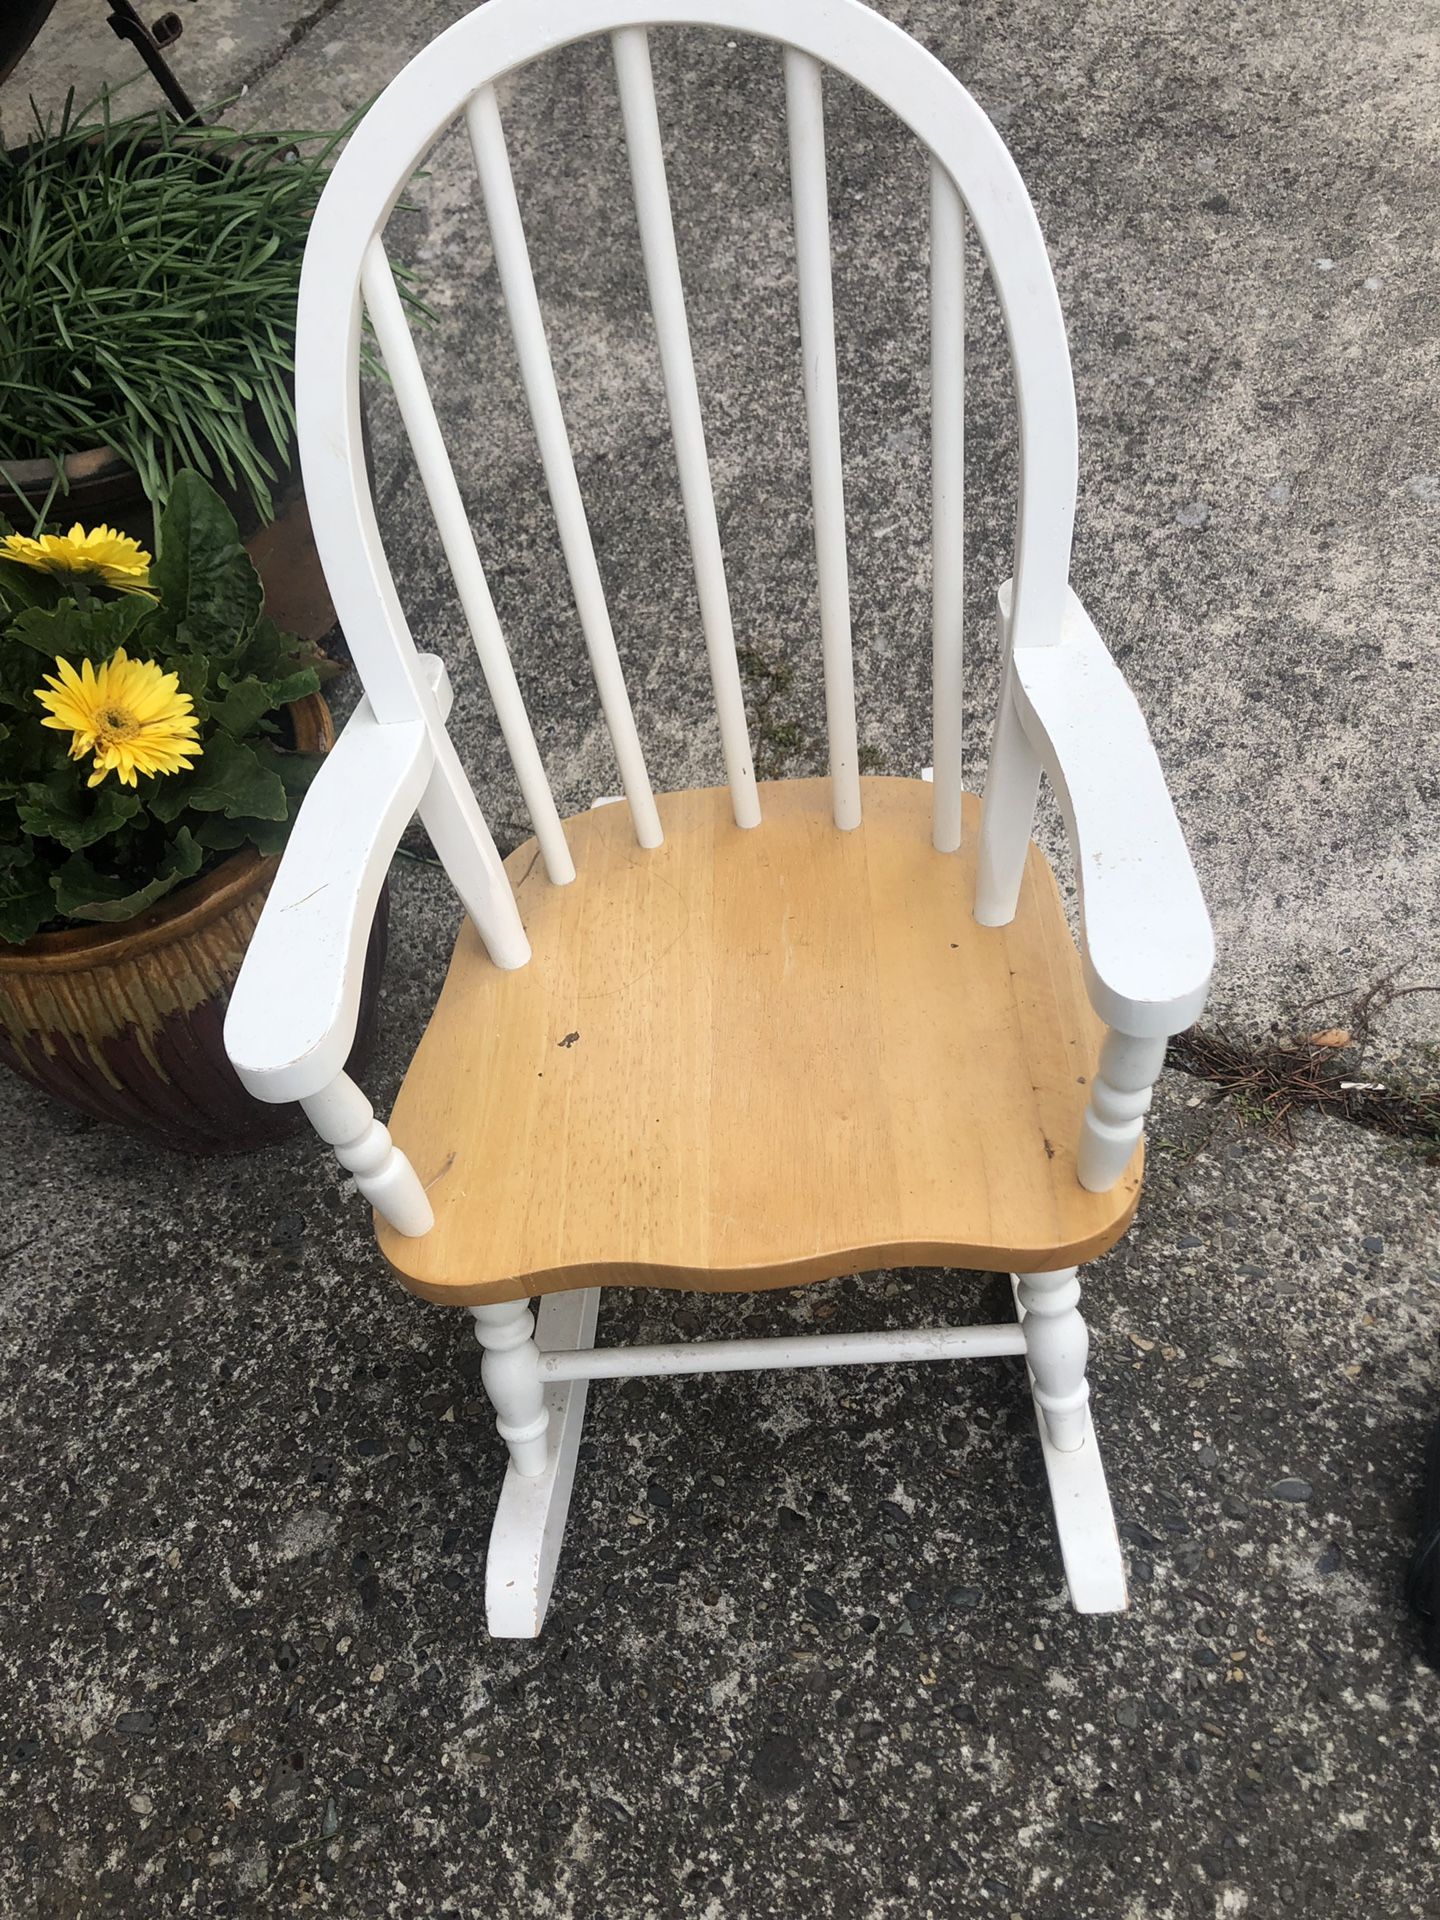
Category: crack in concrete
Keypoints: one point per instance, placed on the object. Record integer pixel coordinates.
(300, 31)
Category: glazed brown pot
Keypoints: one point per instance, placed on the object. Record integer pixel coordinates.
(125, 1021)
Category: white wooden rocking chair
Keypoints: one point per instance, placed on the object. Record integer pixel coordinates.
(816, 1026)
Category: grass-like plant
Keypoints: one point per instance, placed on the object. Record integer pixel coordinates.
(148, 274)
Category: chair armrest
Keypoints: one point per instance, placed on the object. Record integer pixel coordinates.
(292, 1015)
(1148, 945)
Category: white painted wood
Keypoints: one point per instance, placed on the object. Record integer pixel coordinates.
(344, 1118)
(331, 446)
(465, 848)
(1057, 1346)
(672, 333)
(947, 488)
(512, 260)
(1063, 710)
(798, 1350)
(530, 1522)
(397, 349)
(1084, 1518)
(290, 1023)
(805, 122)
(843, 34)
(1114, 1120)
(529, 1526)
(1012, 788)
(1148, 947)
(511, 1373)
(363, 187)
(1090, 1548)
(347, 536)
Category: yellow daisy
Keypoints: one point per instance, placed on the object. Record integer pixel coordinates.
(130, 714)
(113, 559)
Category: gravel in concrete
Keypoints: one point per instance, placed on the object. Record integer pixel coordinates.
(809, 1648)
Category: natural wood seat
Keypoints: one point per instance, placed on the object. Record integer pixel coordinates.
(756, 1058)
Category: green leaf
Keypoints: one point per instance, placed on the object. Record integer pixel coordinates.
(210, 594)
(26, 901)
(243, 705)
(22, 587)
(24, 912)
(63, 808)
(82, 633)
(228, 779)
(148, 298)
(193, 674)
(82, 893)
(294, 687)
(294, 769)
(272, 655)
(220, 835)
(18, 680)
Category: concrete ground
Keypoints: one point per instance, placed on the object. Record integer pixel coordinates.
(809, 1648)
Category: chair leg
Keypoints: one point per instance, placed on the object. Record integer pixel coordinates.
(511, 1372)
(1119, 1100)
(530, 1519)
(1057, 1347)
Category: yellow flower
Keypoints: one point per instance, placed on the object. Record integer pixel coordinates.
(113, 559)
(130, 714)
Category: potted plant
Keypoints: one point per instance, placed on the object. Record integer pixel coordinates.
(157, 732)
(148, 277)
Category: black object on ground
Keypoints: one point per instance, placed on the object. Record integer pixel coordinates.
(1422, 1583)
(24, 19)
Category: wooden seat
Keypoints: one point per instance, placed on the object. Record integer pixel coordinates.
(751, 1058)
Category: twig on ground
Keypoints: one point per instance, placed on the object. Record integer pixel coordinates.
(1269, 1083)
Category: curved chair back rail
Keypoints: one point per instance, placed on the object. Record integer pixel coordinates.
(345, 264)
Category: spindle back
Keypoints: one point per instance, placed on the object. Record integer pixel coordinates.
(345, 263)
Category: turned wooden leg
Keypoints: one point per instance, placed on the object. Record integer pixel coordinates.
(1084, 1519)
(1119, 1100)
(1057, 1346)
(511, 1373)
(530, 1519)
(344, 1118)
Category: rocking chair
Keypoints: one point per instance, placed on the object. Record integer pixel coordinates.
(757, 1035)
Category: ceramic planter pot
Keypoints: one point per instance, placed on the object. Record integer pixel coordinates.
(124, 1021)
